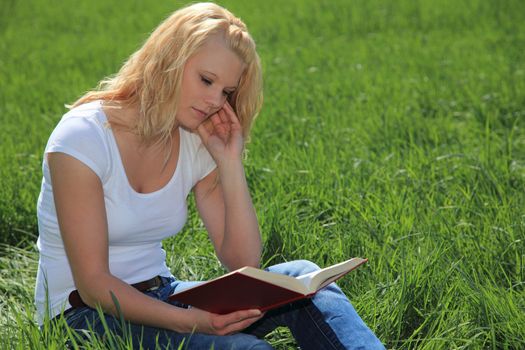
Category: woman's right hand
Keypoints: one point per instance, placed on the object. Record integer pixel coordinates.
(221, 134)
(210, 323)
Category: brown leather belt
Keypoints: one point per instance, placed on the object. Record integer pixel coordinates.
(76, 301)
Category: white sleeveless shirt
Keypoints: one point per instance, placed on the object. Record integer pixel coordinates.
(137, 222)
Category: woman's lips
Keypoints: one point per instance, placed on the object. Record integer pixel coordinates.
(200, 113)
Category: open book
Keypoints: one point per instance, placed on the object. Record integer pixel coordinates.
(252, 288)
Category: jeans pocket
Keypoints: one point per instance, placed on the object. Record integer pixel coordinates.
(78, 317)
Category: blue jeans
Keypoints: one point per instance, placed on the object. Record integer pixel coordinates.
(325, 321)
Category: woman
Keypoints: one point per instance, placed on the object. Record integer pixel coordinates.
(117, 171)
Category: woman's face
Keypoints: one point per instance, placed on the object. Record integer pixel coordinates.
(210, 76)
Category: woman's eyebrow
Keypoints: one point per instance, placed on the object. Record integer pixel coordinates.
(216, 76)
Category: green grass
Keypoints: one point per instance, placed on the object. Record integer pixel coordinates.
(390, 130)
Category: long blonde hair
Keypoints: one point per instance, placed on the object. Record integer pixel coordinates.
(151, 78)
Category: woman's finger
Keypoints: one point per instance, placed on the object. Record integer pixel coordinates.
(239, 316)
(203, 132)
(232, 116)
(240, 320)
(225, 124)
(216, 119)
(224, 118)
(239, 326)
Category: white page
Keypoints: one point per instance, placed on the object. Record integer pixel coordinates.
(317, 279)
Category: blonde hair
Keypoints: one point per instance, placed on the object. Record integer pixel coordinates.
(151, 78)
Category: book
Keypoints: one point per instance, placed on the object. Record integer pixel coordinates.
(252, 288)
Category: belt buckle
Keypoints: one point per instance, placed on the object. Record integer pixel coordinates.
(157, 282)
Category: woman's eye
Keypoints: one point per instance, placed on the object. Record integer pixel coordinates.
(206, 81)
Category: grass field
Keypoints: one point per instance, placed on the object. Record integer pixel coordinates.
(393, 130)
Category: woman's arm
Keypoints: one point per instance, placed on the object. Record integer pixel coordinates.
(225, 206)
(79, 202)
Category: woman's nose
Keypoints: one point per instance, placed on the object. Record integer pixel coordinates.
(215, 100)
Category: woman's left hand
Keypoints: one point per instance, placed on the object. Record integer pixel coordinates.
(222, 135)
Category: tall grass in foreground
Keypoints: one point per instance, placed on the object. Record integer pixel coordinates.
(393, 131)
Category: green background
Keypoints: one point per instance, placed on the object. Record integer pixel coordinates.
(392, 130)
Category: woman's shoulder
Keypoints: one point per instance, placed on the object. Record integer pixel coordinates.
(83, 121)
(88, 112)
(190, 139)
(192, 144)
(82, 133)
(200, 160)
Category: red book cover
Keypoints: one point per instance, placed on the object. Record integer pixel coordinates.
(236, 292)
(251, 288)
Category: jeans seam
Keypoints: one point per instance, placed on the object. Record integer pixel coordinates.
(335, 342)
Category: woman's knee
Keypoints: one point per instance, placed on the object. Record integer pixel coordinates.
(294, 268)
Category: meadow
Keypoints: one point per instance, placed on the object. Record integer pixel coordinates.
(392, 130)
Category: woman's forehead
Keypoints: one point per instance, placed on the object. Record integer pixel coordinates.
(216, 58)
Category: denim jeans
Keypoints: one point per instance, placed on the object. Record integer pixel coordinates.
(325, 321)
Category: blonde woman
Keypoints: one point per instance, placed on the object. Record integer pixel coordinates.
(117, 170)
